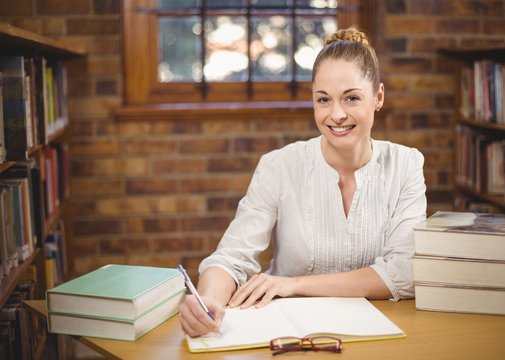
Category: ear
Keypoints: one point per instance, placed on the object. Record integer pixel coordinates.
(379, 97)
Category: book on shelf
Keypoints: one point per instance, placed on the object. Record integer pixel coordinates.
(23, 219)
(15, 101)
(8, 234)
(55, 180)
(24, 328)
(115, 301)
(465, 299)
(30, 170)
(115, 328)
(462, 234)
(3, 152)
(349, 319)
(459, 271)
(480, 163)
(482, 85)
(54, 246)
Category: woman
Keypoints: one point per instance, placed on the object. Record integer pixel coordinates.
(338, 209)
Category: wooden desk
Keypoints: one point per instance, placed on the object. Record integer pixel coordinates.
(430, 335)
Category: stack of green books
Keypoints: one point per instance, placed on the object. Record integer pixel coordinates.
(121, 302)
(459, 263)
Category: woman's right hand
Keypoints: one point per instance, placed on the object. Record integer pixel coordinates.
(195, 321)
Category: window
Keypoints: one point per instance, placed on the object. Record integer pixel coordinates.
(179, 51)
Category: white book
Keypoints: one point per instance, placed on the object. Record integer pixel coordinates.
(349, 319)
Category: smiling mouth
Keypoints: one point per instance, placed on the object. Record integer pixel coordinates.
(341, 129)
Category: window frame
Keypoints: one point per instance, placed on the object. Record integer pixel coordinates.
(141, 85)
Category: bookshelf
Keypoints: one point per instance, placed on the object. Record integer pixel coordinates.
(44, 160)
(479, 178)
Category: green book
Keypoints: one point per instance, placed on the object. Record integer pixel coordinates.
(122, 292)
(116, 329)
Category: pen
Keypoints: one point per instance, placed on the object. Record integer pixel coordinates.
(192, 288)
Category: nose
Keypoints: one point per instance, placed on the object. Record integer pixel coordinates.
(338, 113)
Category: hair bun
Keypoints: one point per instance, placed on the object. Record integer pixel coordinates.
(349, 34)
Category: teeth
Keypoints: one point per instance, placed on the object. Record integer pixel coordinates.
(340, 129)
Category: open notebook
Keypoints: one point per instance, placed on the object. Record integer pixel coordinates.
(350, 319)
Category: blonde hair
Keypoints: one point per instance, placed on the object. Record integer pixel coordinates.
(351, 45)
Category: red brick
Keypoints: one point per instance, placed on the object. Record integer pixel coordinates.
(237, 164)
(16, 8)
(205, 223)
(30, 24)
(80, 87)
(407, 64)
(223, 203)
(151, 186)
(257, 144)
(97, 227)
(181, 166)
(150, 146)
(92, 26)
(431, 44)
(405, 25)
(216, 183)
(494, 26)
(106, 87)
(95, 147)
(204, 146)
(478, 8)
(432, 7)
(124, 246)
(63, 7)
(457, 25)
(396, 6)
(97, 187)
(173, 244)
(107, 6)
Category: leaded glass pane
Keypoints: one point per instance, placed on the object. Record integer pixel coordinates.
(213, 4)
(178, 4)
(226, 48)
(310, 33)
(270, 48)
(270, 3)
(317, 4)
(180, 49)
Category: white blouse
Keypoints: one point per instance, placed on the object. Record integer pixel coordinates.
(294, 201)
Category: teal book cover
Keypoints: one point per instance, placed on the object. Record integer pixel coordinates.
(116, 291)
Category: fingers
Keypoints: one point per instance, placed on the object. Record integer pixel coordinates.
(262, 286)
(195, 321)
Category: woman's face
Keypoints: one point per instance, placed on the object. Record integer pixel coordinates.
(344, 104)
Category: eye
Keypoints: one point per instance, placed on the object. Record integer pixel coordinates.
(323, 100)
(352, 98)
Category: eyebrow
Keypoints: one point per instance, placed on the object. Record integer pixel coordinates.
(345, 92)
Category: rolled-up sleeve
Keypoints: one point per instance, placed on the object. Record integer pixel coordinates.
(408, 209)
(250, 231)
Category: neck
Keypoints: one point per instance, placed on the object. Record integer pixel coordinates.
(347, 161)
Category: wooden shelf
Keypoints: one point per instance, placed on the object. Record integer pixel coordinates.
(497, 200)
(472, 54)
(9, 282)
(17, 41)
(482, 125)
(488, 131)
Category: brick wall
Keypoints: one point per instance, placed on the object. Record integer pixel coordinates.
(163, 192)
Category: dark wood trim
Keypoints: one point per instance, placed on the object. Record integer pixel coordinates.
(15, 40)
(223, 110)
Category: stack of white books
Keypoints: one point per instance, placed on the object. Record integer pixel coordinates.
(459, 263)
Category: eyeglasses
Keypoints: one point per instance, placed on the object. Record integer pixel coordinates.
(316, 343)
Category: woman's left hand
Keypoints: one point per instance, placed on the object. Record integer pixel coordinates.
(264, 287)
